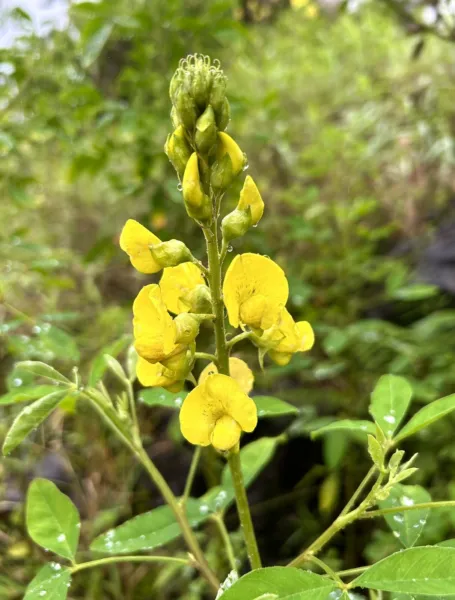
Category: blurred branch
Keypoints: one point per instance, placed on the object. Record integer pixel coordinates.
(407, 15)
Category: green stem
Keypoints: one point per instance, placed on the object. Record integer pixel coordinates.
(244, 509)
(398, 509)
(238, 338)
(116, 559)
(218, 519)
(132, 403)
(191, 474)
(358, 491)
(224, 250)
(205, 356)
(321, 564)
(179, 512)
(222, 355)
(352, 572)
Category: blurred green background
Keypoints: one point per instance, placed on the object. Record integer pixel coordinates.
(346, 113)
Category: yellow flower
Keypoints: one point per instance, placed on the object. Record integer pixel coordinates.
(250, 197)
(228, 146)
(155, 332)
(157, 375)
(287, 337)
(135, 240)
(239, 371)
(216, 412)
(176, 285)
(255, 290)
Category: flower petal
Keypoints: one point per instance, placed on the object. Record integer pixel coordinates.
(176, 285)
(251, 275)
(233, 400)
(306, 334)
(226, 433)
(250, 197)
(199, 415)
(239, 371)
(154, 329)
(156, 375)
(135, 240)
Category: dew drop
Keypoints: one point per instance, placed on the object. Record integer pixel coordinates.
(43, 593)
(17, 382)
(180, 187)
(230, 249)
(61, 537)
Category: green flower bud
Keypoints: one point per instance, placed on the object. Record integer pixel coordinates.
(178, 150)
(171, 253)
(201, 85)
(176, 83)
(224, 115)
(222, 173)
(174, 118)
(218, 91)
(187, 328)
(200, 300)
(185, 108)
(198, 205)
(205, 136)
(236, 223)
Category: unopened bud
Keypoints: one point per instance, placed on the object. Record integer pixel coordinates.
(180, 363)
(201, 86)
(251, 198)
(187, 328)
(205, 136)
(178, 150)
(218, 92)
(197, 204)
(171, 253)
(174, 118)
(222, 173)
(185, 109)
(200, 299)
(176, 83)
(236, 223)
(226, 145)
(223, 116)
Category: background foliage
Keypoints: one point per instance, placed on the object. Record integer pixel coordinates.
(348, 121)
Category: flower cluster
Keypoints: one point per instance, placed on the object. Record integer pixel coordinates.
(168, 315)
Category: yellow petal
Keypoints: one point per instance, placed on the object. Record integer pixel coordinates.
(155, 375)
(287, 337)
(251, 275)
(228, 146)
(154, 329)
(191, 183)
(234, 402)
(226, 433)
(176, 285)
(135, 240)
(199, 415)
(239, 371)
(250, 197)
(306, 335)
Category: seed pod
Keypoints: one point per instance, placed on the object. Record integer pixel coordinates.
(178, 150)
(205, 136)
(171, 253)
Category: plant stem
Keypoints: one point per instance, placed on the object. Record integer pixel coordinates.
(179, 511)
(321, 564)
(205, 356)
(244, 509)
(116, 559)
(342, 521)
(218, 519)
(132, 403)
(222, 355)
(398, 509)
(238, 338)
(352, 572)
(191, 474)
(358, 491)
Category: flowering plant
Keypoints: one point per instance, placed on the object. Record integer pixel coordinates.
(168, 316)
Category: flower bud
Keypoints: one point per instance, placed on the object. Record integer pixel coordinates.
(179, 364)
(224, 115)
(218, 92)
(176, 83)
(200, 299)
(197, 204)
(236, 223)
(201, 86)
(222, 173)
(226, 145)
(171, 253)
(174, 118)
(185, 108)
(178, 150)
(205, 136)
(251, 198)
(187, 328)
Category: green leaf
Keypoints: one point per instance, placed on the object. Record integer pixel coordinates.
(376, 452)
(99, 366)
(26, 393)
(40, 369)
(116, 368)
(389, 401)
(52, 520)
(147, 531)
(161, 397)
(427, 415)
(280, 583)
(428, 570)
(95, 44)
(268, 406)
(415, 292)
(346, 425)
(29, 418)
(50, 583)
(407, 525)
